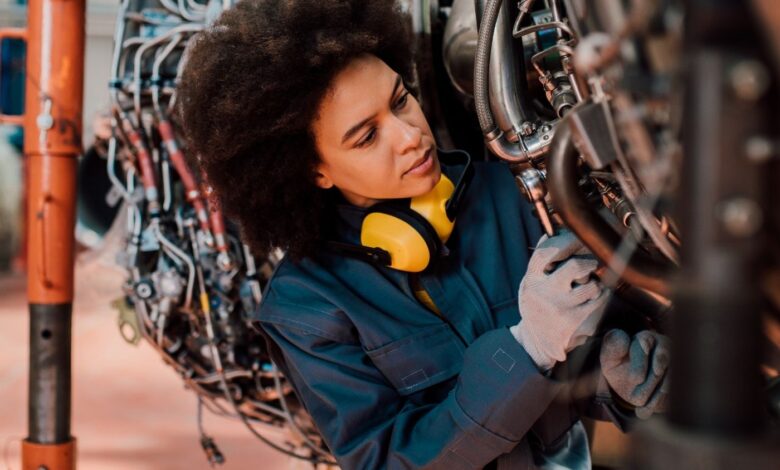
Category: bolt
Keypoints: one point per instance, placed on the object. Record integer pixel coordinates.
(526, 128)
(224, 262)
(749, 79)
(740, 216)
(759, 149)
(144, 291)
(44, 122)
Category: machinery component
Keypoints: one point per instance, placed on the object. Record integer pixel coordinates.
(605, 131)
(718, 416)
(191, 283)
(600, 74)
(532, 184)
(580, 216)
(460, 45)
(213, 454)
(503, 142)
(127, 321)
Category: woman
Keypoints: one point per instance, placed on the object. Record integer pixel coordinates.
(304, 120)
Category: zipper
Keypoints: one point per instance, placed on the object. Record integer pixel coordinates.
(454, 330)
(437, 315)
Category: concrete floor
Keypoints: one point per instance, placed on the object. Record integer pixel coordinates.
(130, 410)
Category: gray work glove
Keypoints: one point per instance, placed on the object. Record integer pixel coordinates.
(635, 369)
(561, 302)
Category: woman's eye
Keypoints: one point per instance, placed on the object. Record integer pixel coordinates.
(402, 100)
(369, 137)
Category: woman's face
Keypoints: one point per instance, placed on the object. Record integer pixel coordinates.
(372, 137)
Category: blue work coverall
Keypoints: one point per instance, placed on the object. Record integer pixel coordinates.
(389, 383)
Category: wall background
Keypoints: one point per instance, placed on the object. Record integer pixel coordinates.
(101, 16)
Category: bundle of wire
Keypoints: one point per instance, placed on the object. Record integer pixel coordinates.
(191, 281)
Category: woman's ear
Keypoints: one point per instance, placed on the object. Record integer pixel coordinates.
(322, 179)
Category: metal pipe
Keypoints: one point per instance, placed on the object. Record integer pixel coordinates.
(166, 182)
(459, 45)
(251, 274)
(178, 252)
(495, 139)
(145, 165)
(50, 373)
(192, 192)
(640, 269)
(506, 76)
(217, 222)
(147, 45)
(156, 79)
(119, 32)
(54, 90)
(187, 15)
(195, 6)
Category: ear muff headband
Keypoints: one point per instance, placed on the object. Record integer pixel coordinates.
(409, 238)
(406, 236)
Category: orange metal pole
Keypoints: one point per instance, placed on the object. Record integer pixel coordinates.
(52, 141)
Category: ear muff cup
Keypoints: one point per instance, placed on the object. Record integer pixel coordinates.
(411, 241)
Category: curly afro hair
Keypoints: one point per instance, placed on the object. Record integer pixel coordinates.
(251, 89)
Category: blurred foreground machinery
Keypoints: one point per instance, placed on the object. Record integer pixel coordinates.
(649, 129)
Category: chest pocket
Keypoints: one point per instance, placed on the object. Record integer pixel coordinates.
(425, 358)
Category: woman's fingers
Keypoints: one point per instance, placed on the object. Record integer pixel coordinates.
(550, 251)
(574, 270)
(657, 362)
(657, 403)
(614, 348)
(637, 369)
(590, 291)
(639, 356)
(661, 356)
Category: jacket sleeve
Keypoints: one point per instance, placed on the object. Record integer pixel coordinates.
(367, 424)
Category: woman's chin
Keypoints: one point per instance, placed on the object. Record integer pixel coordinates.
(436, 174)
(425, 183)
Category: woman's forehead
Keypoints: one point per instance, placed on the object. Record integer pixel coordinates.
(363, 88)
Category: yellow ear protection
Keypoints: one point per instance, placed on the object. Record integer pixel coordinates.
(409, 234)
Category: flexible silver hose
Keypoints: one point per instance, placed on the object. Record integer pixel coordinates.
(514, 152)
(482, 67)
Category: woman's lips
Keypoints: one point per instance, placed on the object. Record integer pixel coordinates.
(424, 166)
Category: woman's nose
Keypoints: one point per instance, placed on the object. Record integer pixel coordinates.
(408, 136)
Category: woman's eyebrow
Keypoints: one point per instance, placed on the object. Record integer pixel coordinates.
(397, 84)
(354, 129)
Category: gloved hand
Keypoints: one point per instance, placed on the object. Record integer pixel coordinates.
(635, 369)
(561, 303)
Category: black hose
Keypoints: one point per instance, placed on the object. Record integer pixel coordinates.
(641, 270)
